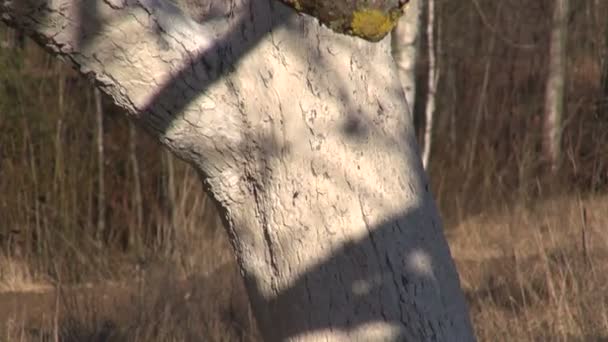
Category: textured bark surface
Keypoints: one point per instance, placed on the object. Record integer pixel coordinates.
(368, 19)
(300, 136)
(554, 98)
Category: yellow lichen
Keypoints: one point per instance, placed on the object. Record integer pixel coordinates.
(373, 24)
(297, 5)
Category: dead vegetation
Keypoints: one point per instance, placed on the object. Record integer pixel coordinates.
(537, 273)
(530, 247)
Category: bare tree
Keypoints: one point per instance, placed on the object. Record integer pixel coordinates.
(135, 232)
(554, 97)
(433, 80)
(13, 39)
(603, 54)
(101, 189)
(405, 45)
(300, 138)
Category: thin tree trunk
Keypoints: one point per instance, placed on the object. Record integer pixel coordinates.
(432, 86)
(481, 106)
(14, 39)
(135, 232)
(301, 140)
(169, 201)
(101, 190)
(405, 45)
(554, 97)
(603, 55)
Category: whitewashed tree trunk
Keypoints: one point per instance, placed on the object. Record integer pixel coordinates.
(405, 45)
(433, 80)
(554, 97)
(300, 136)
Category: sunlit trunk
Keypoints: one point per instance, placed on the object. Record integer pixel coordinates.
(300, 136)
(405, 45)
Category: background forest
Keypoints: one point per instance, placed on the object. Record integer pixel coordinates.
(104, 236)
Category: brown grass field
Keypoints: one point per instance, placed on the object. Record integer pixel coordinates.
(530, 274)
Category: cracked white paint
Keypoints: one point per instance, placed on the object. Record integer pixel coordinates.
(300, 137)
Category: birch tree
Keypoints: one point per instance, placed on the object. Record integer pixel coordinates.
(554, 97)
(433, 80)
(299, 136)
(405, 45)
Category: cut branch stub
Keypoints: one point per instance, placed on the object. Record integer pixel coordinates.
(368, 19)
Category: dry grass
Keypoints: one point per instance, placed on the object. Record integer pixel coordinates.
(17, 275)
(537, 273)
(159, 307)
(530, 274)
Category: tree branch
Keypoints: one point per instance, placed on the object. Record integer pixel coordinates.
(370, 20)
(155, 62)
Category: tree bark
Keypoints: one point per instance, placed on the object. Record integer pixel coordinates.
(300, 137)
(554, 97)
(367, 19)
(405, 45)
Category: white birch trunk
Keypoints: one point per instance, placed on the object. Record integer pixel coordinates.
(405, 45)
(300, 136)
(554, 97)
(433, 80)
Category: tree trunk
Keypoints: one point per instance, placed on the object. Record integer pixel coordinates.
(101, 189)
(405, 44)
(300, 136)
(371, 20)
(433, 80)
(603, 54)
(136, 231)
(14, 39)
(554, 97)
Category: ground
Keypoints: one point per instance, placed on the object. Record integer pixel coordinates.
(530, 272)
